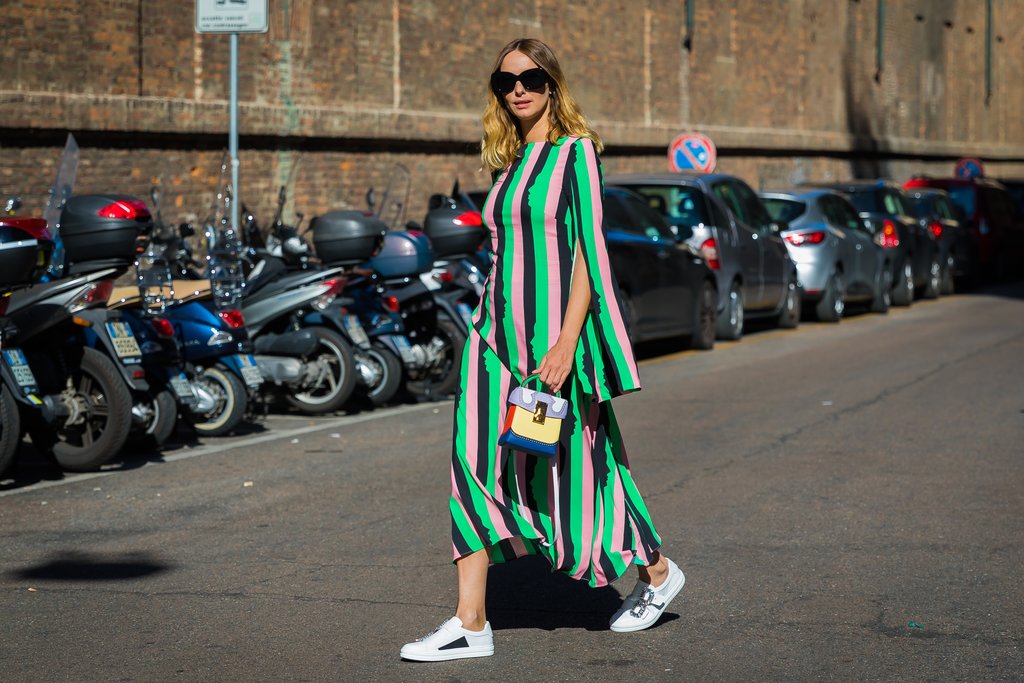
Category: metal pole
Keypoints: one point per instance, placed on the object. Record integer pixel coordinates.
(233, 133)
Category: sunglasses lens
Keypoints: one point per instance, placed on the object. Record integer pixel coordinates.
(533, 79)
(503, 82)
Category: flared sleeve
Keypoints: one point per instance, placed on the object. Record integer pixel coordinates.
(604, 356)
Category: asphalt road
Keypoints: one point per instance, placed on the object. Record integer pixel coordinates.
(846, 502)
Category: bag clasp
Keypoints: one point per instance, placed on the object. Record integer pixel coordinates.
(541, 413)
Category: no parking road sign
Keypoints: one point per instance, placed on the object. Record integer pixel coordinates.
(692, 152)
(969, 167)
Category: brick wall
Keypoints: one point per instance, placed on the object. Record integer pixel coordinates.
(336, 94)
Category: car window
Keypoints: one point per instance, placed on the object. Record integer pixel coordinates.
(615, 215)
(997, 202)
(725, 192)
(643, 219)
(718, 217)
(864, 200)
(785, 210)
(846, 215)
(963, 196)
(943, 208)
(758, 218)
(677, 204)
(892, 204)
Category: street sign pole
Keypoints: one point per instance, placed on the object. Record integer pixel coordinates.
(238, 16)
(233, 133)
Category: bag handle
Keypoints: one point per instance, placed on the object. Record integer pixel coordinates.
(536, 375)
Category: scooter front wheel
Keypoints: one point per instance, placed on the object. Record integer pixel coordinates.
(443, 380)
(335, 380)
(230, 400)
(162, 411)
(391, 374)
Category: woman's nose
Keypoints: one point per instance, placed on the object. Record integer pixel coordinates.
(520, 90)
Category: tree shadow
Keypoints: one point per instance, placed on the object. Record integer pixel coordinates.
(80, 566)
(527, 594)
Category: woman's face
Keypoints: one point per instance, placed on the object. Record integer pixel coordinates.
(525, 105)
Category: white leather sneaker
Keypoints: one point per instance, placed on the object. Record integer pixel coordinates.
(644, 606)
(450, 641)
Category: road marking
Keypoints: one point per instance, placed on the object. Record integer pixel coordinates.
(186, 453)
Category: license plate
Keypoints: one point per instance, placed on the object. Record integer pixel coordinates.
(250, 371)
(182, 388)
(355, 331)
(123, 338)
(404, 349)
(18, 364)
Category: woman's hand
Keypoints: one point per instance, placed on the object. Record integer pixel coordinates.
(556, 365)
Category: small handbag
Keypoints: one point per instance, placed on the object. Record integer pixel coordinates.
(533, 425)
(534, 421)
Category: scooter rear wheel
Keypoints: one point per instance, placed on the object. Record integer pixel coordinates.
(231, 399)
(391, 374)
(10, 429)
(161, 427)
(105, 420)
(444, 379)
(337, 388)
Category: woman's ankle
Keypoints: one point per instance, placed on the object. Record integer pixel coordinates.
(656, 573)
(471, 619)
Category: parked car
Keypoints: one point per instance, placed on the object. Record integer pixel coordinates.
(957, 249)
(995, 222)
(719, 215)
(1015, 186)
(914, 254)
(836, 256)
(667, 287)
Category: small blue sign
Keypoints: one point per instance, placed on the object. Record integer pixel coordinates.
(969, 167)
(692, 152)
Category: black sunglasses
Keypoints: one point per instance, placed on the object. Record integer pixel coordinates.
(534, 80)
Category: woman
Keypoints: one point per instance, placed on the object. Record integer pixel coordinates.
(550, 306)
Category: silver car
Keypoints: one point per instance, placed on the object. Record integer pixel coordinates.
(837, 258)
(719, 215)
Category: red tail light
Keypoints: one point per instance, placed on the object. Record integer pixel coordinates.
(802, 239)
(33, 226)
(391, 303)
(125, 209)
(336, 286)
(710, 251)
(888, 237)
(469, 219)
(95, 296)
(444, 276)
(936, 229)
(162, 326)
(233, 319)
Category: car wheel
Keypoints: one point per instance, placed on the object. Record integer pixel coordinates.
(883, 291)
(934, 282)
(730, 323)
(830, 308)
(789, 316)
(703, 337)
(948, 286)
(903, 287)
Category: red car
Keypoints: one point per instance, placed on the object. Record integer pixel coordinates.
(994, 220)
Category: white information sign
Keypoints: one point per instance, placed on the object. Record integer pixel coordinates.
(231, 16)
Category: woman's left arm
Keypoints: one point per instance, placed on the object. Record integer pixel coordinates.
(558, 361)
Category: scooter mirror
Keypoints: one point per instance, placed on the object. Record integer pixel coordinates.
(371, 199)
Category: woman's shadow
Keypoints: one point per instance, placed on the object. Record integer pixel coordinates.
(527, 594)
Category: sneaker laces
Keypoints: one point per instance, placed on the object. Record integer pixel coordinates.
(438, 628)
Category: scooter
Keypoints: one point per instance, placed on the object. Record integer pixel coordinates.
(25, 248)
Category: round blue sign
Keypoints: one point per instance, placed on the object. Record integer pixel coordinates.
(969, 167)
(692, 152)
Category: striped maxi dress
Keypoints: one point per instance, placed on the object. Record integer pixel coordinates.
(548, 200)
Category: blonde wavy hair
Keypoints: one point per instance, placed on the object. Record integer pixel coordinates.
(502, 134)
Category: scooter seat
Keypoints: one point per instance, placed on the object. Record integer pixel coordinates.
(294, 343)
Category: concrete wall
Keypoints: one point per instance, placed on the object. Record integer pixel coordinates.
(338, 92)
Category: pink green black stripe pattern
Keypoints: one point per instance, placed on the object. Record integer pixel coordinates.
(539, 208)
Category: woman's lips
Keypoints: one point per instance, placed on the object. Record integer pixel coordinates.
(522, 104)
